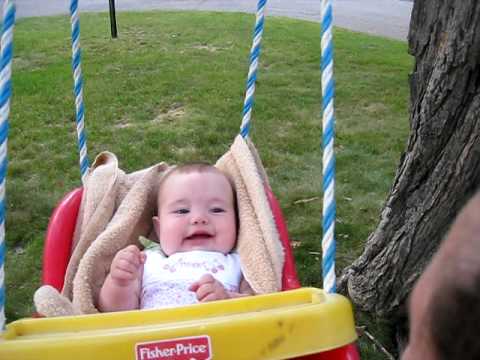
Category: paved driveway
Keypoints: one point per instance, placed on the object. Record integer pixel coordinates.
(389, 18)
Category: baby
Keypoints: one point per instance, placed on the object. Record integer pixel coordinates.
(197, 229)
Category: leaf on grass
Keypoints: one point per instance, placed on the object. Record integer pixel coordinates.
(175, 112)
(295, 244)
(304, 201)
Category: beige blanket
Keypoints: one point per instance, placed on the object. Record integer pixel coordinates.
(117, 208)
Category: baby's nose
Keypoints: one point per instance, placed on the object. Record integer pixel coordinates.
(199, 219)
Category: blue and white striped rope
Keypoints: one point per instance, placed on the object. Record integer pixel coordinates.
(78, 89)
(329, 207)
(6, 54)
(252, 71)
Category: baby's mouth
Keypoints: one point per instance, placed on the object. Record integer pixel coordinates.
(199, 236)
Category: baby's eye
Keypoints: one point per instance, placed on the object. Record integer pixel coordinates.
(181, 211)
(217, 210)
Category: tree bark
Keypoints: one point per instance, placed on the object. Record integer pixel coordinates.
(440, 168)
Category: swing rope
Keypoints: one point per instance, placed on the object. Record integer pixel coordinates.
(78, 89)
(328, 125)
(252, 70)
(6, 53)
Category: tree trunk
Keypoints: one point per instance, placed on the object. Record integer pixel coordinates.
(440, 168)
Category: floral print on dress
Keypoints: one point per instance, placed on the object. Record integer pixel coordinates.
(168, 294)
(166, 280)
(209, 266)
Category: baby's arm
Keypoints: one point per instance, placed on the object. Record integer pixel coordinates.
(207, 288)
(122, 287)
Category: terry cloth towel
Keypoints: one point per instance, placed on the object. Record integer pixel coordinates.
(117, 209)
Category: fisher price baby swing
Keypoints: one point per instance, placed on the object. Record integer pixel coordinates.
(302, 323)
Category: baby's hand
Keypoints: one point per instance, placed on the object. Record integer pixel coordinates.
(207, 288)
(126, 265)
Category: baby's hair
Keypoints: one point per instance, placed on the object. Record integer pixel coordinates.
(198, 167)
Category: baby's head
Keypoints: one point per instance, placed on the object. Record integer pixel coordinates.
(196, 210)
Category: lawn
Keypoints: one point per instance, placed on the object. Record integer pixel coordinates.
(171, 88)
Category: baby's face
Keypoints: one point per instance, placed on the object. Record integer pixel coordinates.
(196, 212)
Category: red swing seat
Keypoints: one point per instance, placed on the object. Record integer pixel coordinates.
(58, 243)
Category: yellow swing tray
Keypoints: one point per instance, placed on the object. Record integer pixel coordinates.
(273, 326)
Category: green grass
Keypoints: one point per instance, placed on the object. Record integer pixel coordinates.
(171, 88)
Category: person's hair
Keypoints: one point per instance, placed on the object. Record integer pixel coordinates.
(455, 319)
(199, 167)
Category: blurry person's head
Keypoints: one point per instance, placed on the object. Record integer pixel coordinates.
(444, 308)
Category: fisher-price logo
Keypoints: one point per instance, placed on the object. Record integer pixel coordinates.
(189, 348)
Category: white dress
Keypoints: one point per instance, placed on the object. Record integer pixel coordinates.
(166, 280)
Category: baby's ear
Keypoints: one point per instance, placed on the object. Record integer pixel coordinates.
(156, 226)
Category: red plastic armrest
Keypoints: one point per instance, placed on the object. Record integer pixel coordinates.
(289, 276)
(58, 239)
